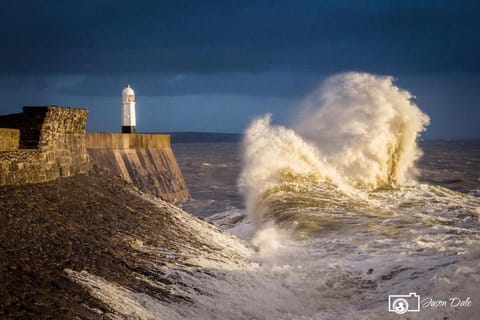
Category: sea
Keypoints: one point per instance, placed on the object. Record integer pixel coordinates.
(351, 214)
(343, 213)
(422, 239)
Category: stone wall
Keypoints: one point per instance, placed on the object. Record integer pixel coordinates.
(52, 144)
(45, 143)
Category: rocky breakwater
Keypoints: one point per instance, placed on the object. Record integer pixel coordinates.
(84, 247)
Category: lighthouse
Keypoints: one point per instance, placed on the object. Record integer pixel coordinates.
(128, 110)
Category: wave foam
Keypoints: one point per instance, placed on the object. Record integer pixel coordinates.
(356, 133)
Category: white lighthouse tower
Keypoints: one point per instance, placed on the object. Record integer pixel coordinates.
(128, 110)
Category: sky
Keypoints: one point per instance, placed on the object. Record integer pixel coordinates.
(215, 65)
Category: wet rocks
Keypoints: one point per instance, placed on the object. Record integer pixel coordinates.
(93, 222)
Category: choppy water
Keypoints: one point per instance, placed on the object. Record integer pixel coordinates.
(343, 210)
(212, 170)
(420, 239)
(336, 213)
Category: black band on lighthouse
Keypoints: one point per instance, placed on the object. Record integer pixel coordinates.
(128, 129)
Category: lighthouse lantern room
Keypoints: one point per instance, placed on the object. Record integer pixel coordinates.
(128, 110)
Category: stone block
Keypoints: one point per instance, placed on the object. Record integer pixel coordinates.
(9, 139)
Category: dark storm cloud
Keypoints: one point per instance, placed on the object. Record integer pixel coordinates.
(263, 84)
(213, 65)
(201, 37)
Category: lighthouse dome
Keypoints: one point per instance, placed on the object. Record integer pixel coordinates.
(128, 95)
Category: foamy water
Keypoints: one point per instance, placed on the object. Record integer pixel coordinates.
(336, 217)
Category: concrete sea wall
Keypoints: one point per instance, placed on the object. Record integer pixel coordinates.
(146, 160)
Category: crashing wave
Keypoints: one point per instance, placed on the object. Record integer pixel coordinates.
(356, 133)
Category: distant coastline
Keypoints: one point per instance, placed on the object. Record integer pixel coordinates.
(203, 137)
(220, 137)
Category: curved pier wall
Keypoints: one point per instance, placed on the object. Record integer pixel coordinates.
(146, 160)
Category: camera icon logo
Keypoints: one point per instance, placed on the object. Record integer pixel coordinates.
(402, 303)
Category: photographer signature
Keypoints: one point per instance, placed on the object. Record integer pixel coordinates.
(452, 302)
